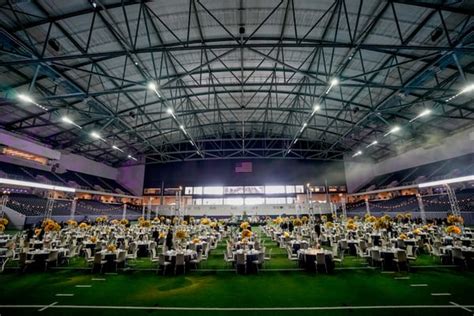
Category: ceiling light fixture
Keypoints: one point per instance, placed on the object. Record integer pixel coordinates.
(67, 120)
(116, 148)
(358, 153)
(393, 130)
(372, 144)
(423, 113)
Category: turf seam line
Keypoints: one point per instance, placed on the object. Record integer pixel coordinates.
(83, 285)
(460, 306)
(98, 279)
(60, 294)
(440, 294)
(402, 278)
(419, 285)
(47, 306)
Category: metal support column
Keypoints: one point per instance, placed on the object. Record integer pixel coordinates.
(367, 207)
(49, 206)
(453, 201)
(124, 214)
(4, 204)
(148, 214)
(73, 208)
(343, 206)
(421, 207)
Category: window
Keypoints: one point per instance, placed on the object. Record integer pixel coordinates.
(188, 190)
(290, 189)
(211, 201)
(274, 189)
(277, 200)
(234, 201)
(233, 190)
(214, 190)
(254, 190)
(197, 190)
(290, 200)
(197, 201)
(299, 189)
(254, 201)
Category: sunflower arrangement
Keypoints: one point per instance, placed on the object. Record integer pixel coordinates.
(71, 223)
(2, 228)
(350, 220)
(417, 231)
(400, 216)
(304, 219)
(191, 220)
(115, 222)
(145, 224)
(286, 234)
(37, 231)
(162, 235)
(124, 222)
(244, 225)
(180, 234)
(196, 241)
(370, 219)
(324, 218)
(101, 219)
(205, 221)
(93, 239)
(83, 225)
(297, 222)
(213, 224)
(4, 221)
(381, 223)
(329, 224)
(175, 220)
(184, 223)
(454, 219)
(52, 226)
(141, 218)
(402, 236)
(246, 233)
(351, 226)
(453, 229)
(111, 248)
(278, 220)
(156, 220)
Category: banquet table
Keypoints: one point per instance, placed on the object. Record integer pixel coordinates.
(189, 255)
(388, 254)
(143, 247)
(298, 244)
(467, 252)
(251, 255)
(307, 259)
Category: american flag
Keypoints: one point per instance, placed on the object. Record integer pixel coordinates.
(243, 167)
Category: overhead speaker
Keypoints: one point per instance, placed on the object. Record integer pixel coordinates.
(54, 44)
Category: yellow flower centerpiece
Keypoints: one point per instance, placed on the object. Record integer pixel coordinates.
(180, 234)
(2, 228)
(205, 221)
(100, 219)
(278, 220)
(196, 241)
(156, 220)
(417, 231)
(111, 248)
(213, 224)
(304, 219)
(83, 225)
(4, 221)
(402, 236)
(297, 222)
(175, 220)
(145, 224)
(244, 225)
(37, 231)
(52, 226)
(162, 235)
(141, 218)
(453, 219)
(351, 226)
(370, 219)
(184, 223)
(324, 218)
(286, 234)
(246, 233)
(329, 225)
(400, 216)
(124, 222)
(93, 239)
(71, 223)
(115, 222)
(453, 229)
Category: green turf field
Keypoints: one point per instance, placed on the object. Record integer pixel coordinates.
(352, 289)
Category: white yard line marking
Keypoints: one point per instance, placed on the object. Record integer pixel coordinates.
(98, 279)
(460, 306)
(418, 285)
(402, 278)
(388, 272)
(47, 306)
(83, 285)
(362, 307)
(441, 294)
(64, 294)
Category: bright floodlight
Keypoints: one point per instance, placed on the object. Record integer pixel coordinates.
(372, 144)
(393, 130)
(182, 127)
(66, 119)
(25, 98)
(95, 135)
(316, 108)
(358, 153)
(334, 82)
(425, 113)
(117, 148)
(152, 86)
(305, 124)
(169, 111)
(468, 88)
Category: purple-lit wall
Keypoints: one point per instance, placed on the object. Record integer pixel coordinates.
(20, 143)
(132, 178)
(81, 164)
